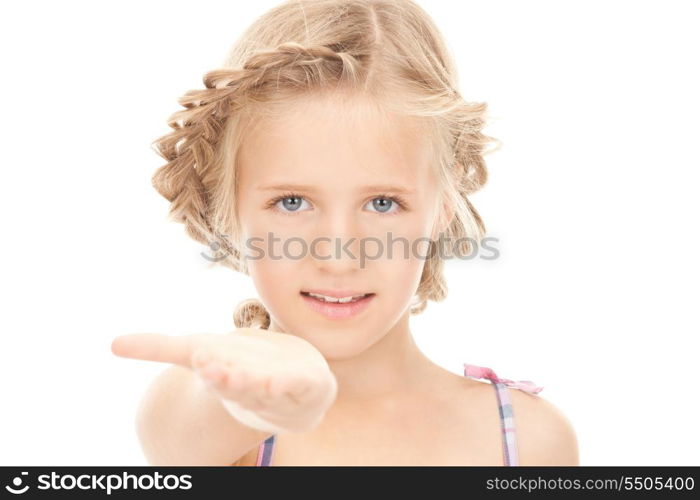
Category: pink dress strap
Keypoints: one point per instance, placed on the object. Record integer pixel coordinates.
(505, 406)
(474, 371)
(265, 450)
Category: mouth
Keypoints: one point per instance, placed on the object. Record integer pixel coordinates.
(336, 297)
(335, 305)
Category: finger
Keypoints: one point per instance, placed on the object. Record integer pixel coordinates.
(154, 347)
(291, 389)
(213, 372)
(239, 385)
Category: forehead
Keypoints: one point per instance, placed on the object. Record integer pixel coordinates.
(328, 135)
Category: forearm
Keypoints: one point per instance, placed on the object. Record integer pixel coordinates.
(181, 422)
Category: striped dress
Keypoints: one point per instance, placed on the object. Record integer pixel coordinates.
(505, 411)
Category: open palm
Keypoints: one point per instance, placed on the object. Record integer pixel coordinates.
(268, 380)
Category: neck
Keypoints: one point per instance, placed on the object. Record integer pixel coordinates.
(383, 375)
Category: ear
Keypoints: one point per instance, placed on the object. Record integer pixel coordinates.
(443, 221)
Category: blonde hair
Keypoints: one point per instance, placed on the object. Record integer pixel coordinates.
(388, 51)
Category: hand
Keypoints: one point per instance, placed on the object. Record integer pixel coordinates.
(271, 381)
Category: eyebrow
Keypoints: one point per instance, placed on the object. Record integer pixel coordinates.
(312, 189)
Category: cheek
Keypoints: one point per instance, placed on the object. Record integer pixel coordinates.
(275, 232)
(399, 269)
(276, 283)
(272, 275)
(400, 274)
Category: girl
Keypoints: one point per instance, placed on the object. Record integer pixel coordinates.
(333, 131)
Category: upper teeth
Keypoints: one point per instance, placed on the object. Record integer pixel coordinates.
(335, 299)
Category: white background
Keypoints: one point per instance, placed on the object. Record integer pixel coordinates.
(593, 197)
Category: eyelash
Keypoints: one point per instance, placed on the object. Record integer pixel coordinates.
(395, 198)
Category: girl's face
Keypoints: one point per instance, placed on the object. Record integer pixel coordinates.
(321, 195)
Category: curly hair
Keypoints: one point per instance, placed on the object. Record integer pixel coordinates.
(389, 51)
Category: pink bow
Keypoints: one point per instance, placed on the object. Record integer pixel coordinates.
(484, 372)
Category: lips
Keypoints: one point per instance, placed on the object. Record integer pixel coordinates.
(336, 300)
(338, 310)
(338, 294)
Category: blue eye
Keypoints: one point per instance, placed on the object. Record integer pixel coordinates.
(290, 203)
(384, 204)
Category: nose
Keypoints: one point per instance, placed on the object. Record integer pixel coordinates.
(336, 243)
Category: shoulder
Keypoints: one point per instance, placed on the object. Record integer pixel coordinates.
(249, 459)
(545, 436)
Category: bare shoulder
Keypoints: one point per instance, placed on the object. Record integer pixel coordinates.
(544, 434)
(249, 459)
